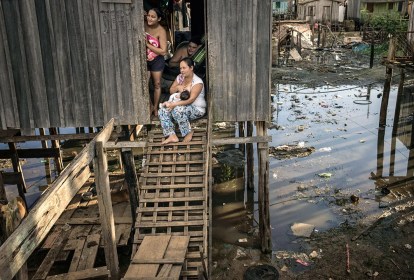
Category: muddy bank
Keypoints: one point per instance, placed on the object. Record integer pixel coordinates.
(329, 67)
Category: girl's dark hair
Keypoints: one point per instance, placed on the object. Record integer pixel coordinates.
(188, 61)
(157, 11)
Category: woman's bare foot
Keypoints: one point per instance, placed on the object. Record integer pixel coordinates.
(188, 137)
(155, 112)
(171, 139)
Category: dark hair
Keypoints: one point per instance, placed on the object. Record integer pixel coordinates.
(196, 40)
(188, 61)
(184, 95)
(157, 11)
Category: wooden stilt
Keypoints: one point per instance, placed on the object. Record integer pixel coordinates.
(250, 158)
(131, 179)
(56, 144)
(385, 97)
(3, 196)
(242, 134)
(21, 187)
(380, 153)
(263, 190)
(100, 166)
(44, 142)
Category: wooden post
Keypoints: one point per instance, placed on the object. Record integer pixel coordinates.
(385, 97)
(241, 134)
(250, 158)
(3, 195)
(380, 152)
(56, 144)
(21, 187)
(100, 167)
(131, 179)
(263, 190)
(275, 51)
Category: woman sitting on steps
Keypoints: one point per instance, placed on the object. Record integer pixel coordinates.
(183, 111)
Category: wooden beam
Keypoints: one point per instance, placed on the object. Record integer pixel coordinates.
(21, 188)
(92, 221)
(82, 274)
(241, 140)
(125, 144)
(100, 166)
(131, 179)
(263, 194)
(250, 158)
(3, 196)
(12, 178)
(34, 228)
(31, 153)
(61, 137)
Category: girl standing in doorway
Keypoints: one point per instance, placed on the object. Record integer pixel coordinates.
(156, 49)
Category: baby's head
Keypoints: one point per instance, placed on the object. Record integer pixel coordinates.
(184, 95)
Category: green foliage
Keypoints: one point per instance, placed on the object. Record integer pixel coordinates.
(391, 22)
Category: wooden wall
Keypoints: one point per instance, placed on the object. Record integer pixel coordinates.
(70, 63)
(239, 59)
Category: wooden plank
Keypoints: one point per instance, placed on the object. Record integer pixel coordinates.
(117, 1)
(131, 179)
(241, 140)
(148, 175)
(90, 15)
(34, 228)
(82, 274)
(77, 254)
(91, 221)
(125, 144)
(160, 261)
(49, 260)
(31, 153)
(58, 137)
(177, 249)
(100, 165)
(7, 89)
(152, 248)
(170, 224)
(18, 62)
(89, 252)
(34, 65)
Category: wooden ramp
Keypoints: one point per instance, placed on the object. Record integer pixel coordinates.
(173, 201)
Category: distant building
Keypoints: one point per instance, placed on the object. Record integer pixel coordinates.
(324, 11)
(280, 7)
(384, 6)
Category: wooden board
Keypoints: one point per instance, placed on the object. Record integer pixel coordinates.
(159, 256)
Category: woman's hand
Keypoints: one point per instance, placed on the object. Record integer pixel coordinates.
(170, 105)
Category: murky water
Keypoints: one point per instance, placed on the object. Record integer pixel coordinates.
(341, 124)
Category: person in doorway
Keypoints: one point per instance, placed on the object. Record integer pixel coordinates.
(156, 49)
(183, 111)
(185, 51)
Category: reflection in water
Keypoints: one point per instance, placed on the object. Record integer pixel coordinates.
(342, 124)
(395, 187)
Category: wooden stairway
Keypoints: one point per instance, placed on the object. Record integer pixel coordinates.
(173, 197)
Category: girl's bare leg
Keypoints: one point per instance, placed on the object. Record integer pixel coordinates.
(156, 78)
